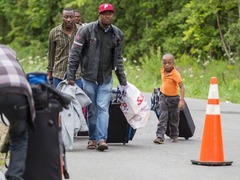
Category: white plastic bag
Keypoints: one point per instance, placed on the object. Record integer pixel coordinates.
(134, 107)
(140, 119)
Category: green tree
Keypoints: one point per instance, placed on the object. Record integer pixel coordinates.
(208, 26)
(207, 29)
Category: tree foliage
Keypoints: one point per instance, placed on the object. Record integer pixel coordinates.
(202, 29)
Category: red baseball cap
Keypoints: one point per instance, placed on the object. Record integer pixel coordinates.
(105, 7)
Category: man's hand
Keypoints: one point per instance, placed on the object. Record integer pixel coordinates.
(123, 89)
(71, 82)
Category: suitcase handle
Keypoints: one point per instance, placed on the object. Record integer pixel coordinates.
(118, 94)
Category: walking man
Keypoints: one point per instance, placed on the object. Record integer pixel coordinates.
(98, 49)
(60, 42)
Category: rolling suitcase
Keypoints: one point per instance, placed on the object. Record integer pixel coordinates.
(186, 125)
(83, 133)
(119, 131)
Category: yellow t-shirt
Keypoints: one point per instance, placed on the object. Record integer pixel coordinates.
(170, 82)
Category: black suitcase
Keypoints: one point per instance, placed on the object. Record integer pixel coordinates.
(44, 158)
(83, 133)
(119, 131)
(186, 125)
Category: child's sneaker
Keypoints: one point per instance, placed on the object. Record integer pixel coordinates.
(158, 141)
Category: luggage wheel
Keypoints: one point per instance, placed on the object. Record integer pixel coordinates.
(186, 138)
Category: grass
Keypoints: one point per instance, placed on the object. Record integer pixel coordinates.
(3, 132)
(196, 76)
(144, 73)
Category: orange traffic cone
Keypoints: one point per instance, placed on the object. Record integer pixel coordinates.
(211, 153)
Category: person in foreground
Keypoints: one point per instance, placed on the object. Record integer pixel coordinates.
(98, 49)
(170, 102)
(16, 103)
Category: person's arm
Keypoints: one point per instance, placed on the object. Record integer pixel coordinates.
(118, 62)
(75, 55)
(51, 56)
(182, 94)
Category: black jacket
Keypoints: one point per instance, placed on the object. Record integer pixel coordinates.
(86, 51)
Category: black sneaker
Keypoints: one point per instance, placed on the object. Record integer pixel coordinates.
(158, 141)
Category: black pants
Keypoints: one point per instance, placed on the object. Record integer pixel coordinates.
(15, 108)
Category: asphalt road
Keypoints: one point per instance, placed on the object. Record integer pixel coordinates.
(141, 159)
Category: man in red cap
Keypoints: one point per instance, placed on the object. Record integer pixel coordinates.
(97, 48)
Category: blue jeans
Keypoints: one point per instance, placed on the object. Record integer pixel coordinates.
(15, 108)
(98, 110)
(56, 81)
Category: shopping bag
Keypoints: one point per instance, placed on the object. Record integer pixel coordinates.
(140, 119)
(133, 99)
(134, 107)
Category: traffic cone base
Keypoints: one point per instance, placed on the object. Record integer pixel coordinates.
(211, 153)
(226, 163)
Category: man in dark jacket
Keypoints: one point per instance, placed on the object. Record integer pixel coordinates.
(16, 103)
(98, 49)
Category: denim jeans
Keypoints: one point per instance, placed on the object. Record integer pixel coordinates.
(98, 110)
(15, 108)
(56, 81)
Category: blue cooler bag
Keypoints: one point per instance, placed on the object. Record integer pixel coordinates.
(37, 78)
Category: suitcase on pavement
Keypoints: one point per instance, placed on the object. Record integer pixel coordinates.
(186, 124)
(83, 133)
(119, 131)
(44, 159)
